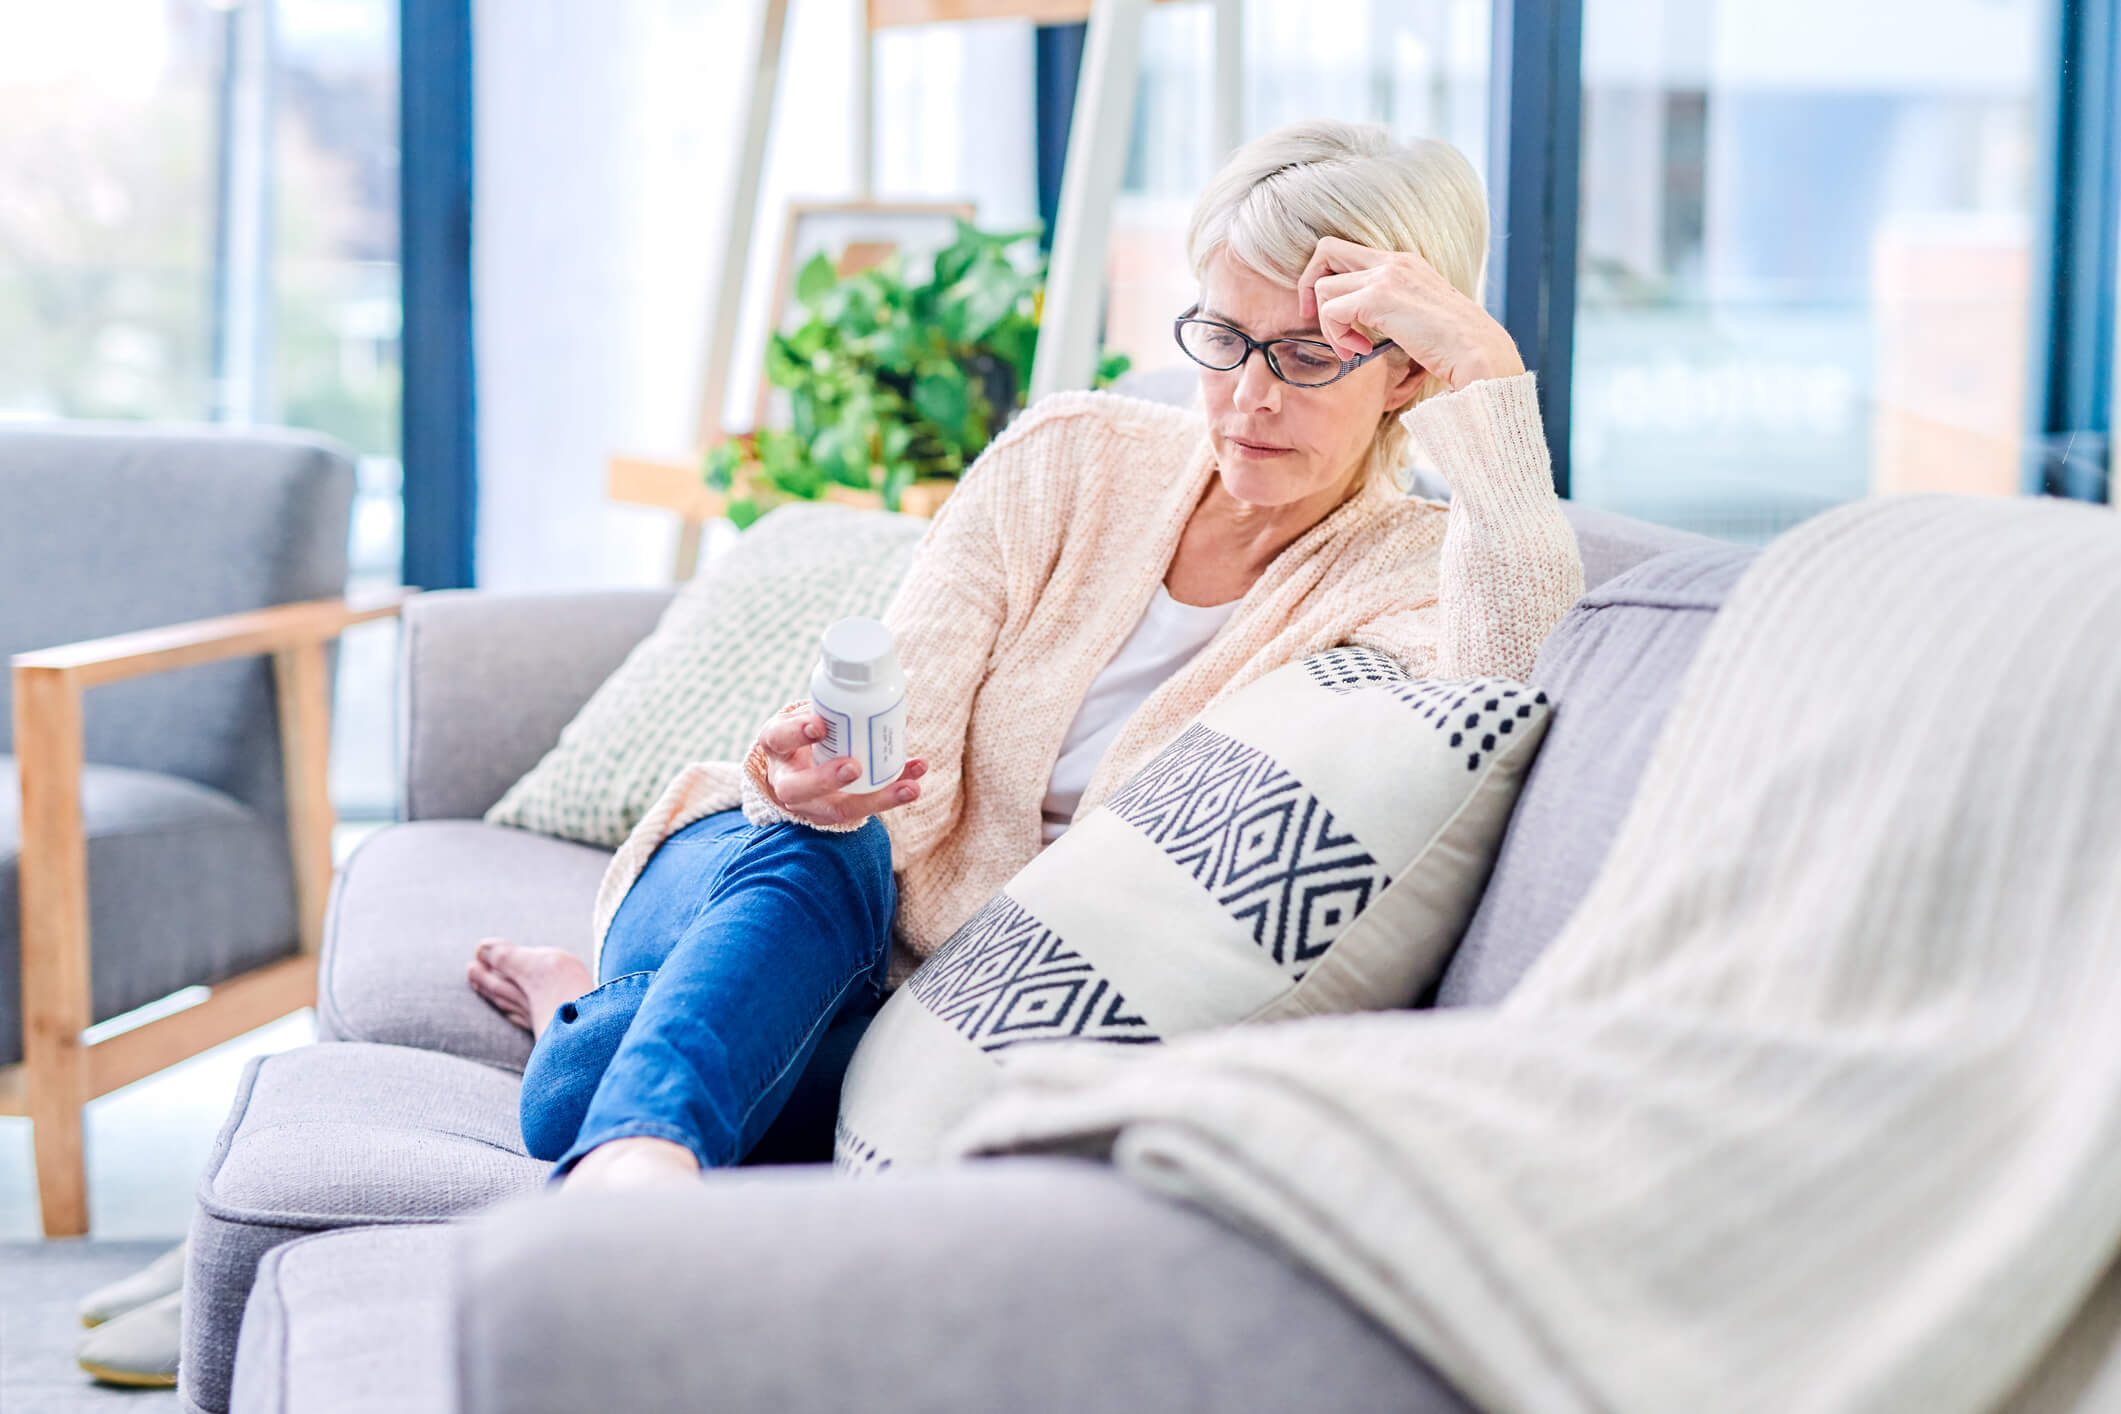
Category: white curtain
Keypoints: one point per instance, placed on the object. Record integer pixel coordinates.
(607, 140)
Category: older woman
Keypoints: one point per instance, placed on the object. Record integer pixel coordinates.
(1107, 568)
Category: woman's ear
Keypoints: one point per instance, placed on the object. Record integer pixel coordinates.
(1406, 388)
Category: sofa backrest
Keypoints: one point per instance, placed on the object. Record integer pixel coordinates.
(1613, 544)
(108, 528)
(1613, 669)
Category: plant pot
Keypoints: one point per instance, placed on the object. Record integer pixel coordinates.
(923, 498)
(998, 381)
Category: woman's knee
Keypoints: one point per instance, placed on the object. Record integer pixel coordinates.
(851, 865)
(871, 846)
(864, 853)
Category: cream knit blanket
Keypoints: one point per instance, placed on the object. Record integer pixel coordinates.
(1815, 1104)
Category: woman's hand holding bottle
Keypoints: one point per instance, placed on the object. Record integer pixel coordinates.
(813, 790)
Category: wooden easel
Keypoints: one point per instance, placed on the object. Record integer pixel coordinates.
(1097, 141)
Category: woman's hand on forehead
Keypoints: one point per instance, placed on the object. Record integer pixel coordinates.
(1360, 295)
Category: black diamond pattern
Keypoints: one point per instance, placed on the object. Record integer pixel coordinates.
(1260, 843)
(1245, 829)
(1005, 978)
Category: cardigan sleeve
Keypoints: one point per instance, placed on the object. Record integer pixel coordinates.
(1509, 567)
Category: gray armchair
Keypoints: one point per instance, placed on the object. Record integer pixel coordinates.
(170, 828)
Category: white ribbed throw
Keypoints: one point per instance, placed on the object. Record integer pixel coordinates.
(1815, 1104)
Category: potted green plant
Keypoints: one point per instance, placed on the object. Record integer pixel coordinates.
(890, 381)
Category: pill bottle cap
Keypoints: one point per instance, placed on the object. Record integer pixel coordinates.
(858, 651)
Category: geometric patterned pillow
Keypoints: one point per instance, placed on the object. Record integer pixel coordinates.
(737, 644)
(1315, 842)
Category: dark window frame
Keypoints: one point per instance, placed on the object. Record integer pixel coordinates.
(1535, 151)
(439, 403)
(2076, 198)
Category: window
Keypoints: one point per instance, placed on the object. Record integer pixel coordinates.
(1803, 255)
(333, 351)
(106, 208)
(198, 221)
(1421, 69)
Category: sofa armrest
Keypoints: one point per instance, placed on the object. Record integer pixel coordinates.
(1033, 1285)
(486, 681)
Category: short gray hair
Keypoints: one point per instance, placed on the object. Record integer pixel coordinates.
(1280, 193)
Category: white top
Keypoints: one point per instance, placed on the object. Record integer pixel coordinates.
(1165, 640)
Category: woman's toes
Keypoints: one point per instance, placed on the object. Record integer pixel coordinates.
(499, 986)
(501, 994)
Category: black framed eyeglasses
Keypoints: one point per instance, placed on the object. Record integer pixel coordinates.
(1304, 363)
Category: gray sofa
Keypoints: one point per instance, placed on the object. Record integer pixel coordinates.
(336, 1265)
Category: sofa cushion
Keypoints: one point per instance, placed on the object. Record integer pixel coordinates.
(186, 886)
(338, 1134)
(1032, 1286)
(1312, 843)
(1613, 666)
(544, 652)
(349, 1322)
(735, 645)
(408, 907)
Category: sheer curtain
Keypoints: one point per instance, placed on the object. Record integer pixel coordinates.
(607, 141)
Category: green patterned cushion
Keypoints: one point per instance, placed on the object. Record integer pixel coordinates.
(735, 646)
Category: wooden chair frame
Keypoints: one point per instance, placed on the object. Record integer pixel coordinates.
(58, 1074)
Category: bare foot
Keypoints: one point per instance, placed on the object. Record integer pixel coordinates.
(637, 1161)
(527, 985)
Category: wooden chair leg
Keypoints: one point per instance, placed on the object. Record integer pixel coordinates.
(305, 751)
(62, 1168)
(53, 873)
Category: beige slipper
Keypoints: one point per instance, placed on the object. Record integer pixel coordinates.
(157, 1279)
(137, 1348)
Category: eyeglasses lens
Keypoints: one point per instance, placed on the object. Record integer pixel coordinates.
(1217, 347)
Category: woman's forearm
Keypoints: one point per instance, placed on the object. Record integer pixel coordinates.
(1510, 566)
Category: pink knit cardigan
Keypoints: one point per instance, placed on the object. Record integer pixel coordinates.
(1042, 561)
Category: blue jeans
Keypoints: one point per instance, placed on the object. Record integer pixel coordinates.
(742, 964)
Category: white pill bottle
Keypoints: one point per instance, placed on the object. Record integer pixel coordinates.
(860, 692)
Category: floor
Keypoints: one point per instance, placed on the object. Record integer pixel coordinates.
(39, 1328)
(148, 1143)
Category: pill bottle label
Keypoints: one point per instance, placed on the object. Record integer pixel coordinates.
(838, 734)
(886, 756)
